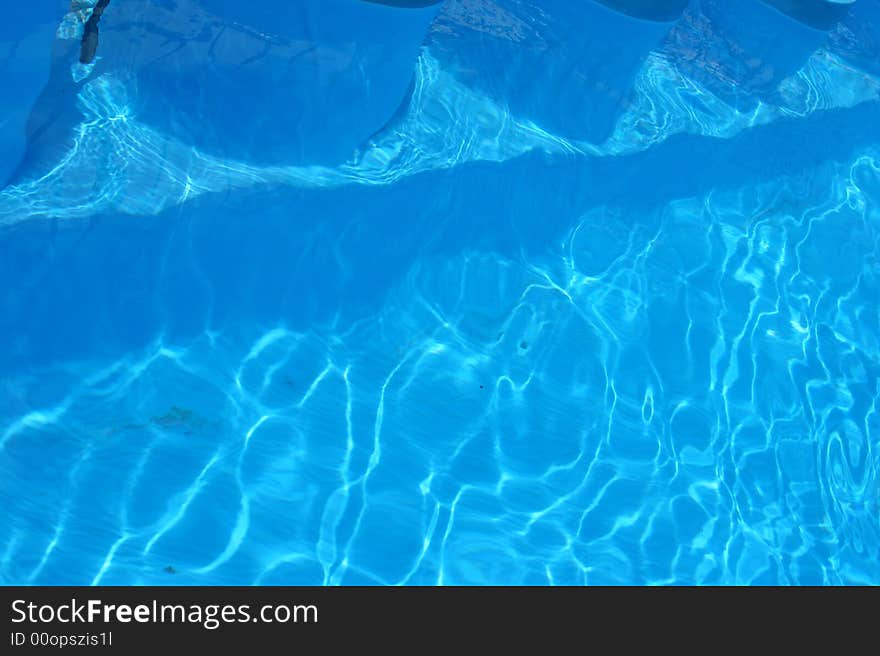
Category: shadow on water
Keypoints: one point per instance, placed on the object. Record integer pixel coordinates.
(89, 45)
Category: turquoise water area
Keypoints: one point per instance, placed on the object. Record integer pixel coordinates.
(480, 292)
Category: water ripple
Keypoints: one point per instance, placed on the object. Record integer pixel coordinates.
(695, 403)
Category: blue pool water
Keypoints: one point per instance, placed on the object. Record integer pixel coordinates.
(482, 292)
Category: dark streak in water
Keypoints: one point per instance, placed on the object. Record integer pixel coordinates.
(90, 34)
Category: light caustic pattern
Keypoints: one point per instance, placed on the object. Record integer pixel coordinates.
(682, 396)
(118, 163)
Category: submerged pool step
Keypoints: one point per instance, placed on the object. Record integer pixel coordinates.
(570, 72)
(743, 51)
(283, 85)
(857, 39)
